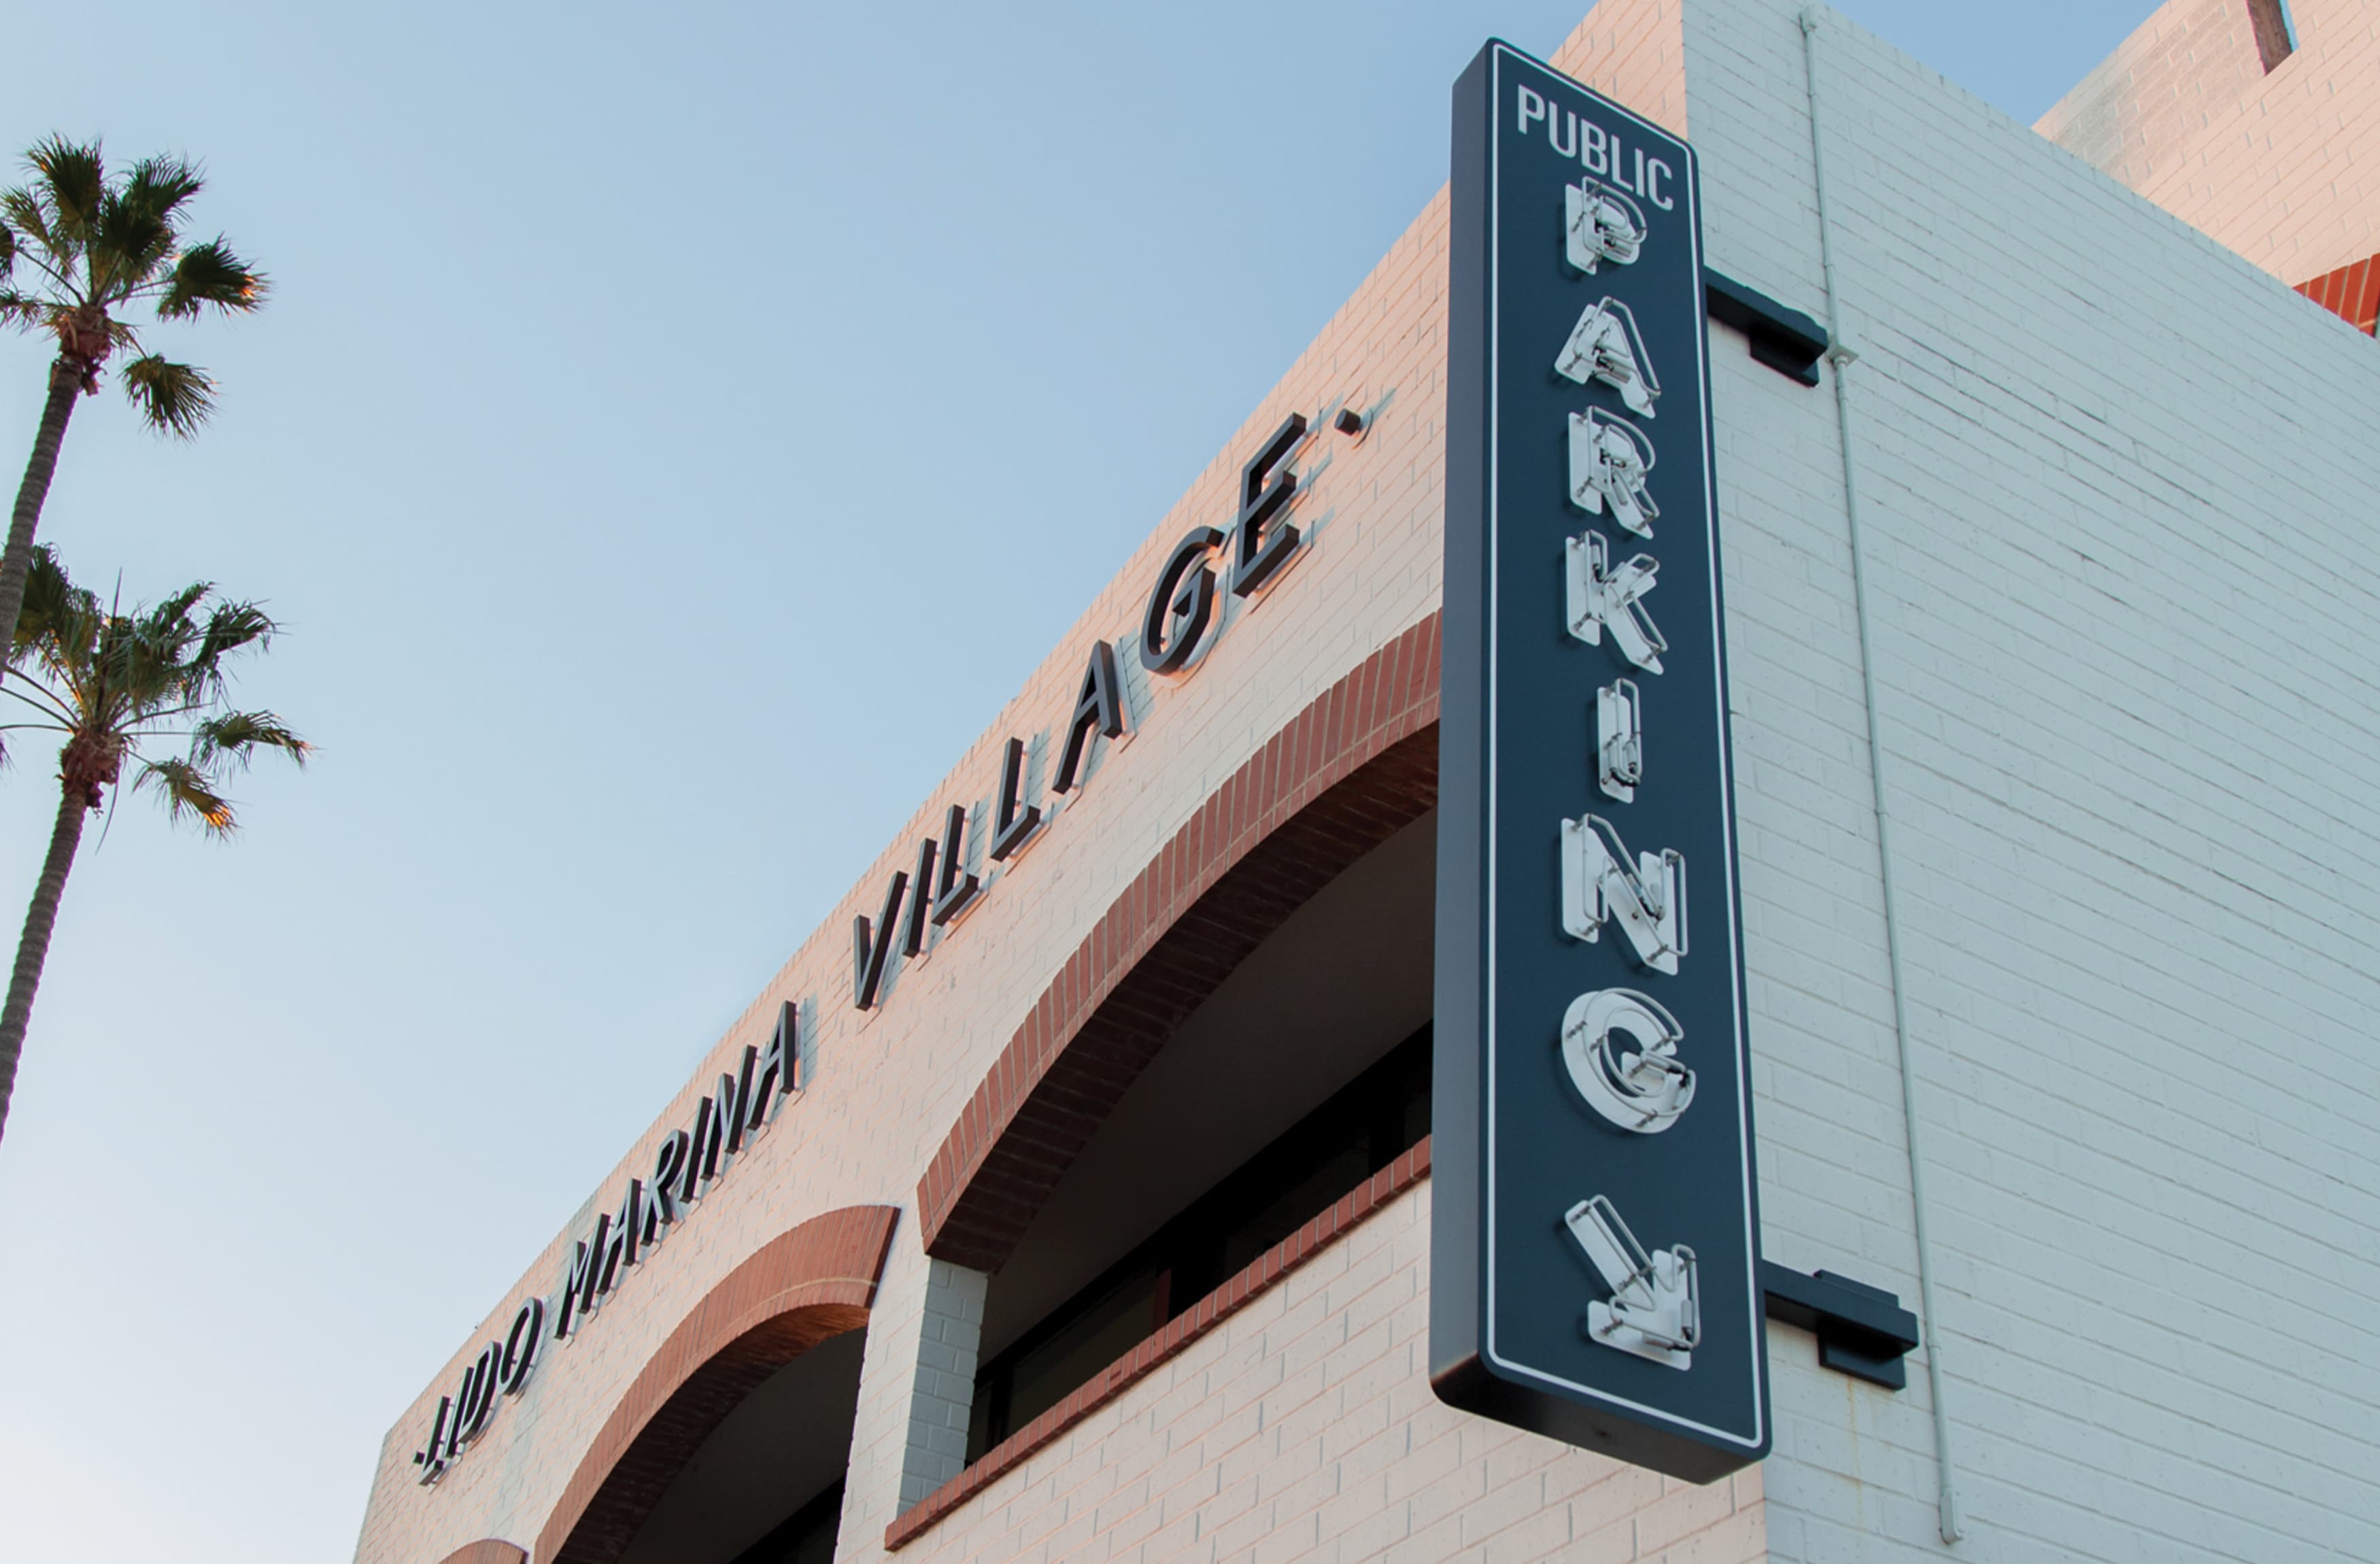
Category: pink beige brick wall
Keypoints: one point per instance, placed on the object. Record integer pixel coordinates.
(1303, 1427)
(892, 1086)
(2283, 168)
(1192, 1325)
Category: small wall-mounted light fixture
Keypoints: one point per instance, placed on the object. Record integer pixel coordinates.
(1861, 1331)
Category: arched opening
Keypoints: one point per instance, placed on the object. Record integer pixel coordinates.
(1304, 1074)
(766, 1487)
(771, 1352)
(1235, 918)
(1356, 767)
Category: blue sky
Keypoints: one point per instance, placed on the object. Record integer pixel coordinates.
(674, 432)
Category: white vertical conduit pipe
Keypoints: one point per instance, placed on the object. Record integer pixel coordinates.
(1839, 358)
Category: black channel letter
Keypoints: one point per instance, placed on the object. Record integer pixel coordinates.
(521, 1343)
(431, 1457)
(1100, 707)
(1016, 820)
(1179, 611)
(956, 888)
(779, 1073)
(869, 946)
(669, 1172)
(1257, 554)
(912, 928)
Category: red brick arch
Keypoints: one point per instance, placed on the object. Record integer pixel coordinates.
(798, 1289)
(1352, 768)
(486, 1550)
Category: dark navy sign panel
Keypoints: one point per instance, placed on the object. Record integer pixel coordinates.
(1595, 1249)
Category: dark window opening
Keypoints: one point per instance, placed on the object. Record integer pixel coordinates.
(1358, 1131)
(807, 1536)
(766, 1486)
(2276, 38)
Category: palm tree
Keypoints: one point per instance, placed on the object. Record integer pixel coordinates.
(95, 249)
(112, 682)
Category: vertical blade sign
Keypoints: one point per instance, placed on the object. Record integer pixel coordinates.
(1594, 1240)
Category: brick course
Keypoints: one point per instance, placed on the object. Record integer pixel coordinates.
(796, 1291)
(1351, 769)
(2351, 293)
(488, 1551)
(1261, 1273)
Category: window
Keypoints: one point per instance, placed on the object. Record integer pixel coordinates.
(1361, 1128)
(2276, 37)
(807, 1536)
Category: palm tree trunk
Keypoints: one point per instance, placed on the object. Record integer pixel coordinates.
(33, 947)
(65, 384)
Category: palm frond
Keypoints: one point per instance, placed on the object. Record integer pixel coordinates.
(231, 626)
(170, 619)
(154, 665)
(238, 735)
(21, 311)
(211, 274)
(72, 185)
(23, 211)
(8, 249)
(61, 633)
(39, 245)
(57, 282)
(34, 694)
(175, 398)
(50, 598)
(114, 679)
(134, 238)
(157, 187)
(187, 789)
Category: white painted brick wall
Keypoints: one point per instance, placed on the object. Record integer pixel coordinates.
(2126, 614)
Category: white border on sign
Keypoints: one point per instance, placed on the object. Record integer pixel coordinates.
(1753, 1313)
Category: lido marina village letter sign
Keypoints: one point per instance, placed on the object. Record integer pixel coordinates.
(1182, 621)
(1594, 1272)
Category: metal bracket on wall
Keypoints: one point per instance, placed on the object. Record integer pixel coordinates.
(1861, 1331)
(1786, 340)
